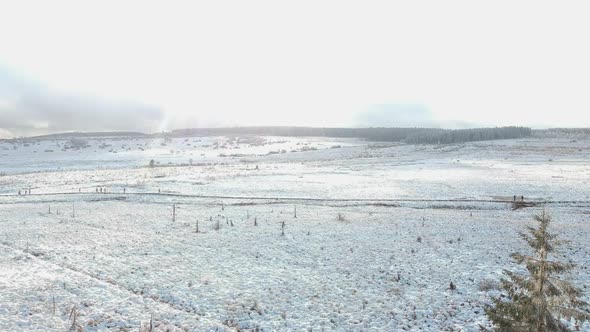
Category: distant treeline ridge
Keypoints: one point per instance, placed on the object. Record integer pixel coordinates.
(407, 135)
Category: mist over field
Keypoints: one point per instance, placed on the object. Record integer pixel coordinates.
(28, 108)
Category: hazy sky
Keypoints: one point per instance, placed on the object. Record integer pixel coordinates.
(154, 65)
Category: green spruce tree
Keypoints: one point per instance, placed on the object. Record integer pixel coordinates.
(538, 300)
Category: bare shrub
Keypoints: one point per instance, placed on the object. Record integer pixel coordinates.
(486, 285)
(216, 225)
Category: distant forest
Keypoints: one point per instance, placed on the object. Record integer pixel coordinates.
(571, 133)
(406, 135)
(403, 135)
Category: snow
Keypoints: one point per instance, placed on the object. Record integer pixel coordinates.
(120, 260)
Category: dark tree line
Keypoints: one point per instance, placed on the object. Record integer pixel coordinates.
(562, 133)
(407, 135)
(443, 136)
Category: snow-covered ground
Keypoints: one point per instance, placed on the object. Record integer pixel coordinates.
(380, 231)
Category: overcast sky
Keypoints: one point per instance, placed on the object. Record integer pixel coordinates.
(158, 65)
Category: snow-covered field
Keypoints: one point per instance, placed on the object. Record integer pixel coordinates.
(380, 231)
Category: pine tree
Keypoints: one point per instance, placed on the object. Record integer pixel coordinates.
(538, 300)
